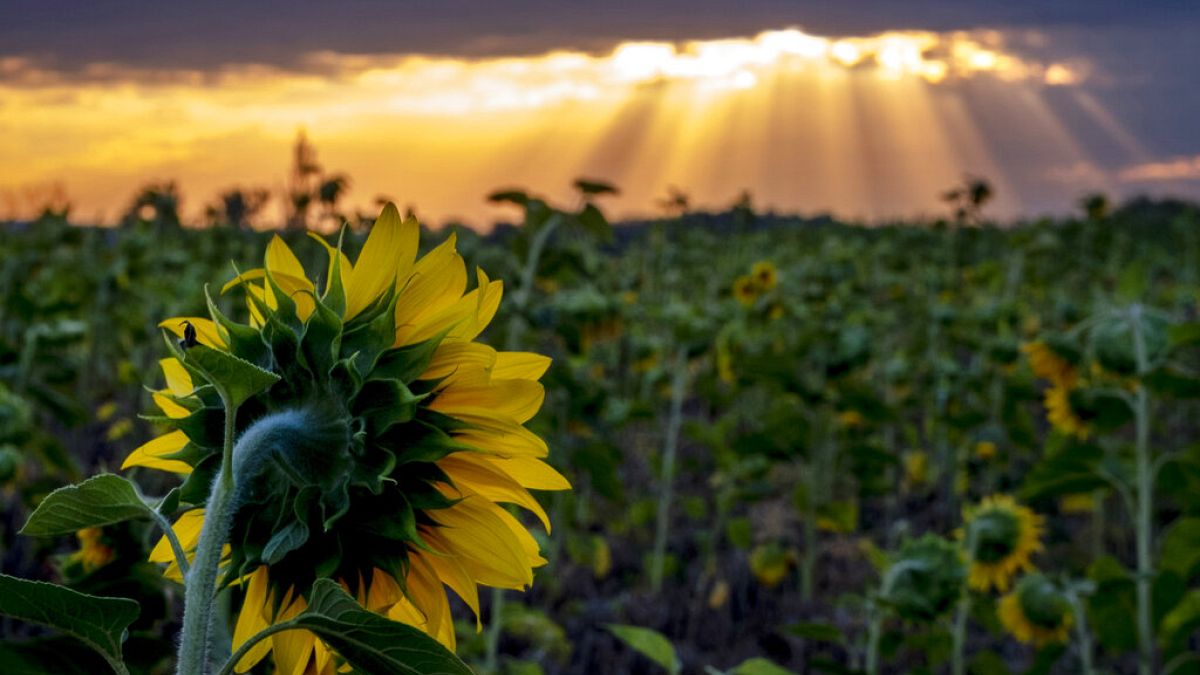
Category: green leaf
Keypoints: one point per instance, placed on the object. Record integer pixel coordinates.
(367, 641)
(238, 378)
(760, 666)
(650, 643)
(98, 622)
(98, 501)
(1181, 547)
(1070, 470)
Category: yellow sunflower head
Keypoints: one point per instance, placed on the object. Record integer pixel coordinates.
(1036, 612)
(1050, 364)
(409, 436)
(745, 290)
(764, 274)
(1001, 537)
(1062, 415)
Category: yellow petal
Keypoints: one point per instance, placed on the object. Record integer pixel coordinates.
(490, 483)
(387, 255)
(151, 454)
(252, 619)
(452, 574)
(178, 379)
(482, 542)
(437, 281)
(461, 359)
(292, 648)
(384, 592)
(168, 407)
(499, 437)
(426, 592)
(530, 472)
(249, 275)
(520, 366)
(206, 331)
(516, 400)
(187, 530)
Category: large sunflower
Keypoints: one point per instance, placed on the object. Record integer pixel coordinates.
(418, 438)
(1002, 536)
(1036, 612)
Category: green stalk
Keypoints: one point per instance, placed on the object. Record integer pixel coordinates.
(1083, 634)
(201, 580)
(958, 635)
(1145, 504)
(245, 459)
(670, 447)
(874, 633)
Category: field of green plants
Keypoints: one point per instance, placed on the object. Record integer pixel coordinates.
(793, 446)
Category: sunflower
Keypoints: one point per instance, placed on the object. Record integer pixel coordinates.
(418, 438)
(1049, 365)
(745, 290)
(765, 275)
(1001, 535)
(1036, 612)
(94, 552)
(1061, 415)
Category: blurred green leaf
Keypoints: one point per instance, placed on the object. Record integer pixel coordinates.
(649, 643)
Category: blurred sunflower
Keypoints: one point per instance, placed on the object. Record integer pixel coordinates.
(765, 275)
(985, 450)
(417, 435)
(94, 551)
(745, 290)
(1062, 416)
(1002, 535)
(1049, 365)
(1036, 612)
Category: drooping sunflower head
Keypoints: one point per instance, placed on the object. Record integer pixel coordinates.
(1036, 612)
(745, 290)
(406, 435)
(1001, 537)
(1062, 415)
(1051, 362)
(765, 275)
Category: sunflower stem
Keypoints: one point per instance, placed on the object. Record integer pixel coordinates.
(670, 447)
(1145, 502)
(251, 454)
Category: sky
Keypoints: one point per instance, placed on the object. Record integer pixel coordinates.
(866, 109)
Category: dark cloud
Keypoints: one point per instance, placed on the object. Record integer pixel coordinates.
(158, 34)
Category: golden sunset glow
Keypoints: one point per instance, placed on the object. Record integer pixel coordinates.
(810, 122)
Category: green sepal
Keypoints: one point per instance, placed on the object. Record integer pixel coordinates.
(385, 403)
(321, 341)
(367, 341)
(245, 341)
(406, 363)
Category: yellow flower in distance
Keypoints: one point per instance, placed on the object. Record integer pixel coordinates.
(765, 275)
(1036, 612)
(1001, 536)
(1048, 365)
(93, 552)
(745, 290)
(1062, 416)
(406, 499)
(985, 450)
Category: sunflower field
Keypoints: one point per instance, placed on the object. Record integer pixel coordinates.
(722, 443)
